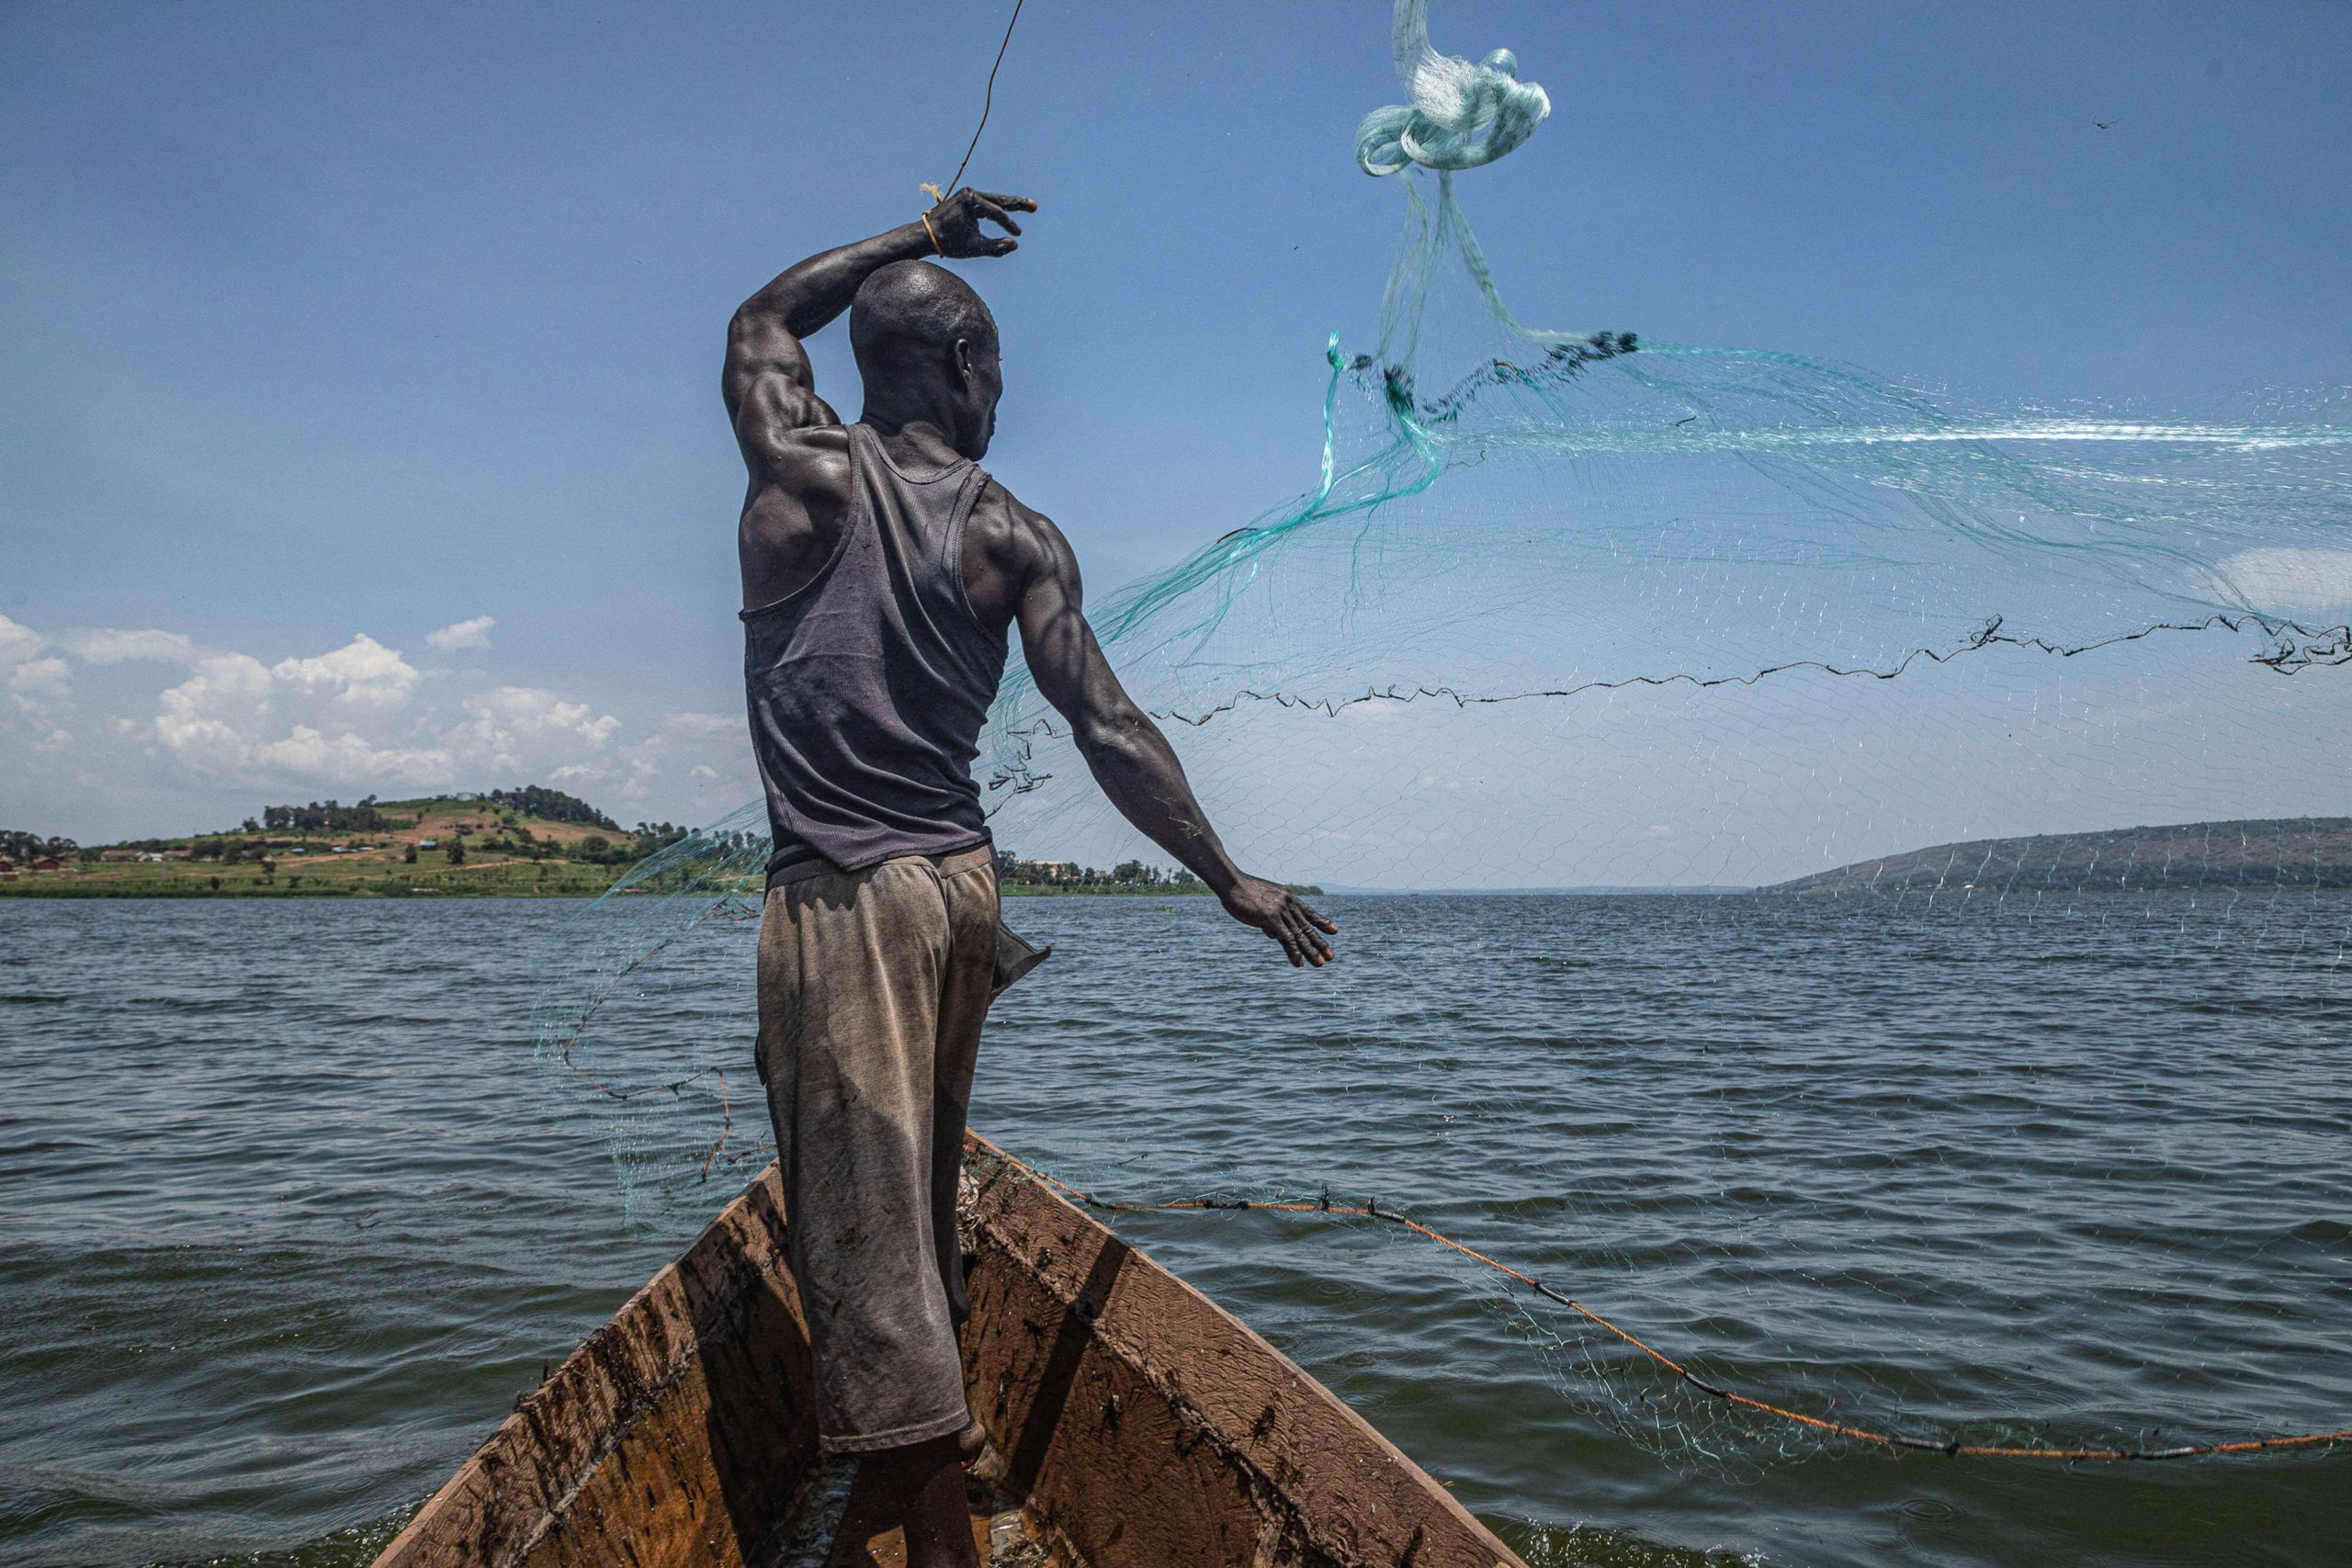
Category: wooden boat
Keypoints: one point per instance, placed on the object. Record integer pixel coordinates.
(1131, 1421)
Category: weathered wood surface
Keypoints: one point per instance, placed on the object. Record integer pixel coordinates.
(1138, 1424)
(1142, 1424)
(681, 1432)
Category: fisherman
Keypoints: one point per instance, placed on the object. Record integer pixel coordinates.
(882, 569)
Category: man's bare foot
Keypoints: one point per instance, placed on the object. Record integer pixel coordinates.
(912, 1501)
(864, 1517)
(924, 1488)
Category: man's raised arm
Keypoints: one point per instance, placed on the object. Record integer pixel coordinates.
(770, 389)
(1128, 755)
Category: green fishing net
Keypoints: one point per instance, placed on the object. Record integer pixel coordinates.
(1587, 609)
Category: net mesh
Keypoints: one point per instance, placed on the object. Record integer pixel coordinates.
(1583, 609)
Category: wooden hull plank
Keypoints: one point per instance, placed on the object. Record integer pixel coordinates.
(1136, 1424)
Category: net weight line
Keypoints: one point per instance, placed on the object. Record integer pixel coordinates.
(1371, 1210)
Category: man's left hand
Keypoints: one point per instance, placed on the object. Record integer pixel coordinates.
(1279, 913)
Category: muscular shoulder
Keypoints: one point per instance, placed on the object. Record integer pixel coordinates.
(1016, 535)
(811, 463)
(1009, 547)
(793, 513)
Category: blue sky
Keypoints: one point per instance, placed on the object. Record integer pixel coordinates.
(328, 328)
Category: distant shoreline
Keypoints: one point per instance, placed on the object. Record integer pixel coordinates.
(2255, 853)
(531, 842)
(62, 887)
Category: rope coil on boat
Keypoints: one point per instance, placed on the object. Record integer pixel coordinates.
(1371, 1210)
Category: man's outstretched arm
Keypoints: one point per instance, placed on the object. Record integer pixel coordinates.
(769, 387)
(1131, 758)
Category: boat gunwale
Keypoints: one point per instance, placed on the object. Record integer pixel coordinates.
(586, 1370)
(500, 1503)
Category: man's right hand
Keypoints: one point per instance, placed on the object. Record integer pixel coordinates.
(954, 223)
(1278, 912)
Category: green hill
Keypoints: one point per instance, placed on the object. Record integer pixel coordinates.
(2290, 851)
(505, 843)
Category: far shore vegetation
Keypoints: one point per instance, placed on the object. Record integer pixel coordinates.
(528, 842)
(538, 842)
(532, 843)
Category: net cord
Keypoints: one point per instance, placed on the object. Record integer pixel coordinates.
(1371, 1210)
(988, 102)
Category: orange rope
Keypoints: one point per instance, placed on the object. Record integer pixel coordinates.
(1860, 1434)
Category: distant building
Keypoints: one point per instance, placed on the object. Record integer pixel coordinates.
(428, 843)
(116, 857)
(43, 863)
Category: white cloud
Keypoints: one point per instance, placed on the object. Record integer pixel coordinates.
(227, 729)
(362, 673)
(2282, 580)
(474, 633)
(206, 718)
(48, 674)
(339, 720)
(335, 758)
(39, 679)
(111, 645)
(17, 643)
(505, 717)
(300, 718)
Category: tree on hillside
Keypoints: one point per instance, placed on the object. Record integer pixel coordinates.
(537, 800)
(322, 817)
(456, 851)
(17, 845)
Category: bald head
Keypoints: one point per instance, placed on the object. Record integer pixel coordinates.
(926, 348)
(907, 317)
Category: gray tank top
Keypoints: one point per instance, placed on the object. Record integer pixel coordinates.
(868, 684)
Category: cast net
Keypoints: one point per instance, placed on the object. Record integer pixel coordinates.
(2030, 725)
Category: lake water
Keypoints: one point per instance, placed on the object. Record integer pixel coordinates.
(287, 1218)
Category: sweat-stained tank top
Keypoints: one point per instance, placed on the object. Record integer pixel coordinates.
(868, 684)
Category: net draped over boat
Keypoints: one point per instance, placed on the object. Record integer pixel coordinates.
(1591, 609)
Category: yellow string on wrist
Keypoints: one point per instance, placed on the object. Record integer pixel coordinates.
(933, 191)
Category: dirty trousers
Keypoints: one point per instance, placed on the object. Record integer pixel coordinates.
(873, 986)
